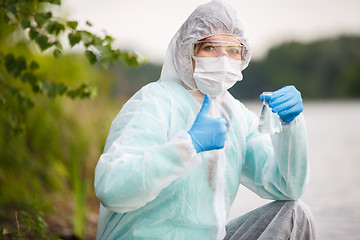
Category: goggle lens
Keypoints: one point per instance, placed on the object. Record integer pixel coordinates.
(233, 50)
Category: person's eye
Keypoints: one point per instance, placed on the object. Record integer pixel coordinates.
(234, 50)
(208, 47)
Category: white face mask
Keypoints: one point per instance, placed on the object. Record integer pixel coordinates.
(216, 75)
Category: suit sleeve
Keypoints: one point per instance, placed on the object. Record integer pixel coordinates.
(276, 166)
(139, 160)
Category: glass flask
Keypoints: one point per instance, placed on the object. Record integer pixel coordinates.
(269, 122)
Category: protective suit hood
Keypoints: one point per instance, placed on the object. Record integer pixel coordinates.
(213, 18)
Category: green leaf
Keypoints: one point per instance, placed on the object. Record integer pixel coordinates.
(25, 23)
(74, 38)
(50, 28)
(30, 78)
(38, 87)
(10, 62)
(72, 24)
(15, 66)
(106, 51)
(34, 65)
(59, 27)
(89, 24)
(43, 42)
(47, 15)
(56, 2)
(86, 37)
(84, 91)
(57, 53)
(109, 39)
(91, 56)
(33, 33)
(20, 66)
(97, 42)
(57, 44)
(54, 27)
(132, 59)
(72, 94)
(61, 88)
(39, 19)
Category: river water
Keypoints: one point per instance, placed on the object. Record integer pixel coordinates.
(333, 193)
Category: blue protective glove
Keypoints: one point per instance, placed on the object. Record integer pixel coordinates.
(287, 102)
(208, 133)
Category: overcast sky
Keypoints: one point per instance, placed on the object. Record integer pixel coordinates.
(147, 26)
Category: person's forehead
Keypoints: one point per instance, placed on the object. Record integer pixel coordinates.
(227, 38)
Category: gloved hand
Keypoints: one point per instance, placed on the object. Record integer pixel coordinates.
(208, 133)
(287, 102)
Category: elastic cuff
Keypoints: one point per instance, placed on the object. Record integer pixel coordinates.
(283, 123)
(296, 119)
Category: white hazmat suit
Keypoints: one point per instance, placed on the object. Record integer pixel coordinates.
(151, 182)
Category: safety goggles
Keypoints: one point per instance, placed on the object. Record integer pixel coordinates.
(207, 48)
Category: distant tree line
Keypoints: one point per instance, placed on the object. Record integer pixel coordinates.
(326, 68)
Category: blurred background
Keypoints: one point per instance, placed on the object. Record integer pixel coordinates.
(62, 82)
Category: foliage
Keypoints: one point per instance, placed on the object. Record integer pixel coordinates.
(34, 23)
(46, 150)
(53, 162)
(31, 226)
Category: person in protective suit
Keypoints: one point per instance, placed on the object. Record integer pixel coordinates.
(180, 147)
